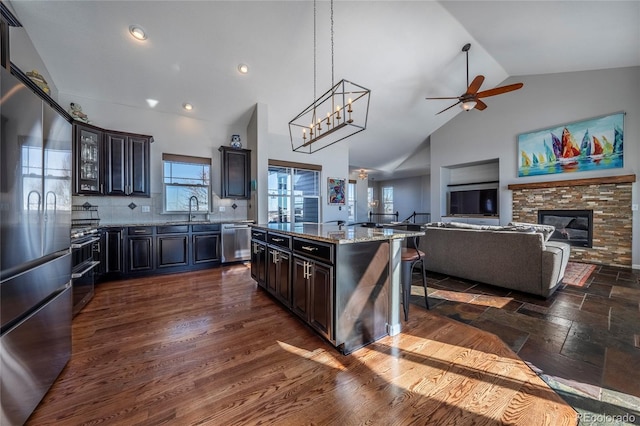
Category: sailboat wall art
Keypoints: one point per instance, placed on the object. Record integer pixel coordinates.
(590, 145)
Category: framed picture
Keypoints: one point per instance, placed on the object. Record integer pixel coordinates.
(593, 144)
(336, 189)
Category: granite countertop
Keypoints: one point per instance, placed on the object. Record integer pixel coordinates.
(173, 222)
(337, 234)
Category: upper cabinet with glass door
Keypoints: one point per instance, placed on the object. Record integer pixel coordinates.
(88, 155)
(110, 162)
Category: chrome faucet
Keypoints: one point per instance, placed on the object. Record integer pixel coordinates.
(193, 197)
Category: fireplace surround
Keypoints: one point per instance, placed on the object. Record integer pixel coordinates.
(574, 227)
(610, 199)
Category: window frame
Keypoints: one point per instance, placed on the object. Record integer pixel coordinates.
(193, 161)
(352, 189)
(387, 194)
(291, 195)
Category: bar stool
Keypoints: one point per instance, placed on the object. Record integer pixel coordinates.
(411, 257)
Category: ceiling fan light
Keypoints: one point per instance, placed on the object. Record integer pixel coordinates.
(469, 105)
(138, 32)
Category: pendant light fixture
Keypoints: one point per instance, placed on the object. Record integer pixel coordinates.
(342, 111)
(362, 175)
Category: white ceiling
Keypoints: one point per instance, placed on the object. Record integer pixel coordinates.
(403, 51)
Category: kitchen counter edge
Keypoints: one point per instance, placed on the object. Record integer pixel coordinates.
(337, 234)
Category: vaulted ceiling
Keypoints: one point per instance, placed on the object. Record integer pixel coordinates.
(403, 51)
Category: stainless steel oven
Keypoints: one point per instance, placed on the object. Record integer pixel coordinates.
(85, 255)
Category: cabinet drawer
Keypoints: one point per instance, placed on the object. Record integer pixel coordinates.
(206, 227)
(314, 249)
(140, 230)
(256, 234)
(279, 240)
(172, 229)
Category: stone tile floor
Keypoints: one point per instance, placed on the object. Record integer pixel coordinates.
(583, 341)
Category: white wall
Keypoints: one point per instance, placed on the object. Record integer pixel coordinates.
(544, 101)
(412, 194)
(25, 56)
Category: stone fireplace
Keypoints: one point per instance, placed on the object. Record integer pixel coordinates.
(574, 227)
(609, 199)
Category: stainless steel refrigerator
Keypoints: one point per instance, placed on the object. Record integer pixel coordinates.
(35, 262)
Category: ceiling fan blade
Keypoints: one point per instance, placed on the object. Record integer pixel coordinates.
(475, 85)
(449, 107)
(452, 97)
(499, 90)
(480, 105)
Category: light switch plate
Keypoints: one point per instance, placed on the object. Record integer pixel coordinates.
(634, 207)
(146, 209)
(221, 208)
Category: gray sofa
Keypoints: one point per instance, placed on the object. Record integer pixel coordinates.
(516, 256)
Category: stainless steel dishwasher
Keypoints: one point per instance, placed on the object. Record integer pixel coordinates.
(236, 242)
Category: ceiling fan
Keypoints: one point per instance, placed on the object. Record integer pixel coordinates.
(471, 98)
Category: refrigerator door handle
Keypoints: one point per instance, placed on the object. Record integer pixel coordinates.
(39, 199)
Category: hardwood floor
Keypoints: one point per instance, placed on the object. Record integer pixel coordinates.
(209, 347)
(583, 340)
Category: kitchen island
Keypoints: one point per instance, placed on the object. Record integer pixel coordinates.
(343, 281)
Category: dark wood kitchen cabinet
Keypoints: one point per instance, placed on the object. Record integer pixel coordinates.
(109, 162)
(279, 267)
(339, 289)
(236, 173)
(126, 164)
(172, 246)
(140, 249)
(312, 284)
(111, 252)
(88, 151)
(205, 244)
(160, 249)
(312, 293)
(259, 257)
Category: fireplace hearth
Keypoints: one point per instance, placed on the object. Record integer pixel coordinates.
(572, 226)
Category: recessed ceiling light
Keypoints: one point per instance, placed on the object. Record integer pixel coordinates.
(187, 106)
(243, 68)
(152, 102)
(138, 32)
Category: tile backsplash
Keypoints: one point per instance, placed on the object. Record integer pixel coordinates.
(117, 210)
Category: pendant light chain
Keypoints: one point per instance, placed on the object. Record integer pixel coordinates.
(314, 53)
(344, 117)
(332, 80)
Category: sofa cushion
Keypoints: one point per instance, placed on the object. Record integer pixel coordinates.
(545, 230)
(460, 225)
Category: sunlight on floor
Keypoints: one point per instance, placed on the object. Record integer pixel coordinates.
(471, 298)
(318, 355)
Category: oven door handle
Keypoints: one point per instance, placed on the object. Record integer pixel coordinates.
(85, 243)
(85, 270)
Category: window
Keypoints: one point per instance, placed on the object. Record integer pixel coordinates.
(351, 201)
(387, 199)
(370, 198)
(184, 177)
(294, 193)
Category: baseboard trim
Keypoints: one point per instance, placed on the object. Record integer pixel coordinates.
(393, 329)
(635, 266)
